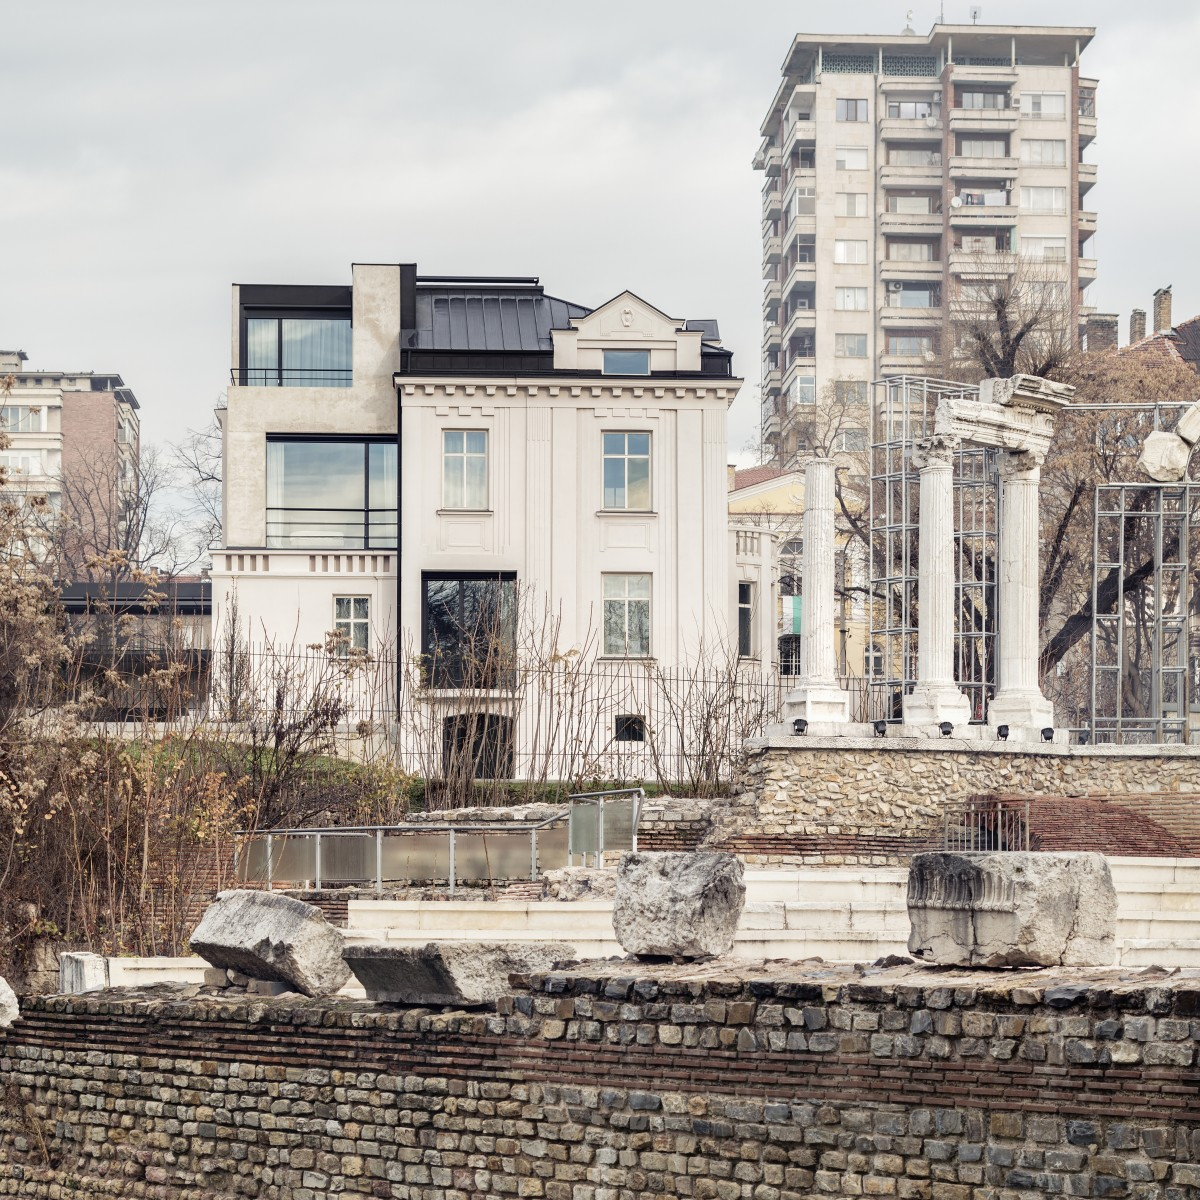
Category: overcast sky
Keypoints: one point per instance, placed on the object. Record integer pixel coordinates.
(153, 153)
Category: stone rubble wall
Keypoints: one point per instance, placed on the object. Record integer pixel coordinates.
(865, 802)
(603, 1085)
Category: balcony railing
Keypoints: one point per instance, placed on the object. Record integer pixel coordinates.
(322, 377)
(331, 528)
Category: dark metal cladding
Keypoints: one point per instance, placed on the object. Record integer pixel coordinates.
(456, 317)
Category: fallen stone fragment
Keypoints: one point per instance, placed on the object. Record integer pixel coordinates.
(678, 904)
(1012, 909)
(267, 936)
(449, 972)
(9, 1009)
(81, 971)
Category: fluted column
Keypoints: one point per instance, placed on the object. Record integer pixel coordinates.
(936, 697)
(1019, 702)
(818, 698)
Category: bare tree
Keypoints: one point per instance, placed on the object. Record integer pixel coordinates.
(198, 458)
(1011, 315)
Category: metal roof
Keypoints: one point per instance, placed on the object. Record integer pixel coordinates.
(481, 317)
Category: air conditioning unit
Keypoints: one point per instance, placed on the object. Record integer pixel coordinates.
(802, 302)
(895, 286)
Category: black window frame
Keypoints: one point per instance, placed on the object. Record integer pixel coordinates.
(446, 672)
(279, 313)
(629, 727)
(366, 440)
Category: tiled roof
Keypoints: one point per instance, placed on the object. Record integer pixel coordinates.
(752, 475)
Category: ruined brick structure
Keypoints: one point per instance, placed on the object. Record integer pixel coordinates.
(620, 1081)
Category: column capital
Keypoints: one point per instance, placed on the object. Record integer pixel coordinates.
(936, 451)
(1020, 465)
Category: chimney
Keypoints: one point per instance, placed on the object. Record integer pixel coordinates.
(1162, 309)
(1137, 325)
(1101, 331)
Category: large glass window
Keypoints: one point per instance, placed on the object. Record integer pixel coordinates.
(468, 634)
(849, 252)
(907, 250)
(910, 345)
(851, 158)
(917, 294)
(331, 494)
(851, 110)
(1044, 199)
(626, 615)
(851, 204)
(465, 469)
(850, 299)
(914, 156)
(745, 620)
(910, 110)
(804, 202)
(1045, 152)
(298, 352)
(983, 147)
(627, 471)
(850, 345)
(982, 99)
(850, 391)
(1044, 247)
(22, 418)
(804, 389)
(1044, 105)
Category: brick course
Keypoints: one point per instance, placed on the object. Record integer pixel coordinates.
(619, 1080)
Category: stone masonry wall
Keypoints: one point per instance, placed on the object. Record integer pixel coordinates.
(620, 1082)
(876, 801)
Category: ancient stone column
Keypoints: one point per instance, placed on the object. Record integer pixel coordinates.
(818, 697)
(936, 697)
(1019, 702)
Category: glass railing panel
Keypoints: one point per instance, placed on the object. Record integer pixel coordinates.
(347, 858)
(585, 828)
(552, 847)
(416, 857)
(618, 825)
(294, 859)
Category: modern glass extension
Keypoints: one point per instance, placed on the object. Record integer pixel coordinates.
(298, 352)
(335, 494)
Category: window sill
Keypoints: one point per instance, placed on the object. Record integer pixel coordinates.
(626, 512)
(624, 658)
(464, 512)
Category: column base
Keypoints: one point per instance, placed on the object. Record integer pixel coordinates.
(818, 704)
(1026, 713)
(933, 703)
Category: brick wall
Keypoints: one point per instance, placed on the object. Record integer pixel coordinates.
(655, 1083)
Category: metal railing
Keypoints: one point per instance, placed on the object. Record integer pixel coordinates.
(987, 823)
(456, 852)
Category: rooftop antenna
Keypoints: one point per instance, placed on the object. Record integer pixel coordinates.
(908, 30)
(976, 13)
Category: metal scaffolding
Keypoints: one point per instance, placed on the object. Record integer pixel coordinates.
(902, 412)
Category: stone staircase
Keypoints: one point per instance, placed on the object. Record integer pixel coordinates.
(835, 913)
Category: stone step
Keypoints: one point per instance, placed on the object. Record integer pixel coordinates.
(1162, 952)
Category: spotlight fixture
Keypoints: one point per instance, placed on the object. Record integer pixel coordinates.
(799, 726)
(947, 728)
(881, 729)
(1048, 734)
(1002, 732)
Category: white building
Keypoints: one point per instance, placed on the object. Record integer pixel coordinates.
(405, 454)
(902, 173)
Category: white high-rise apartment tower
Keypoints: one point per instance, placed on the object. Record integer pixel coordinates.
(899, 170)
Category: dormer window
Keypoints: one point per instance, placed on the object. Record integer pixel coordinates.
(626, 362)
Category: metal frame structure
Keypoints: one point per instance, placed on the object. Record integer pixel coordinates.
(902, 412)
(1141, 536)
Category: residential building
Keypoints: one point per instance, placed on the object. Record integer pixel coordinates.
(407, 457)
(73, 439)
(902, 173)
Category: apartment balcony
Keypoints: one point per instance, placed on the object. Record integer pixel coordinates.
(802, 272)
(801, 133)
(901, 269)
(772, 381)
(911, 129)
(897, 318)
(772, 253)
(770, 422)
(771, 337)
(902, 175)
(964, 167)
(1087, 223)
(920, 87)
(802, 320)
(797, 176)
(906, 364)
(1087, 129)
(981, 216)
(772, 203)
(993, 75)
(910, 224)
(772, 296)
(981, 264)
(1087, 177)
(773, 162)
(984, 120)
(1087, 271)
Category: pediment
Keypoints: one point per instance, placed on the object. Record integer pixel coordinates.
(626, 317)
